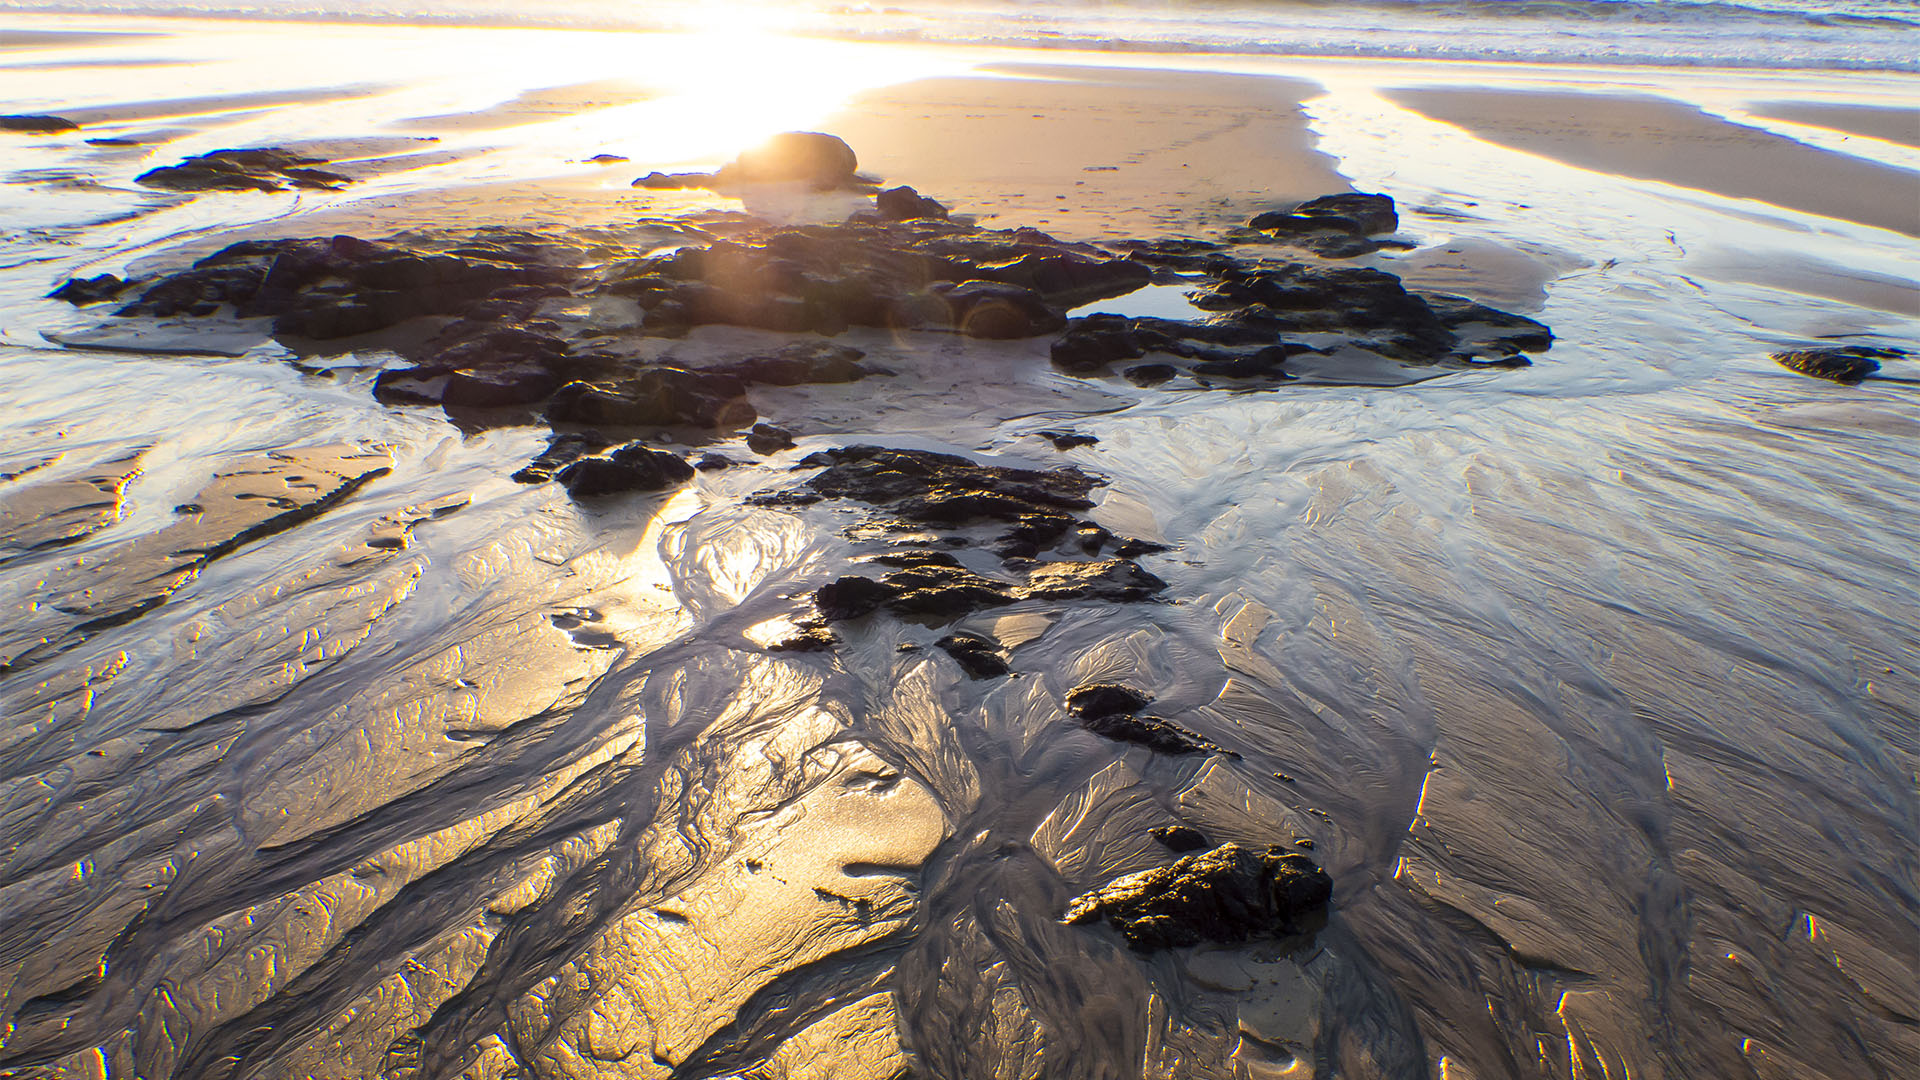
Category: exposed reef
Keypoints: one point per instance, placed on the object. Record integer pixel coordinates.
(261, 169)
(1230, 895)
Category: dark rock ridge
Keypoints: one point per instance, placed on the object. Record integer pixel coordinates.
(262, 169)
(1111, 712)
(1846, 364)
(37, 124)
(1228, 896)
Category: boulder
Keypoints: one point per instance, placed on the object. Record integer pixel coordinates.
(1229, 896)
(765, 439)
(809, 157)
(977, 656)
(631, 468)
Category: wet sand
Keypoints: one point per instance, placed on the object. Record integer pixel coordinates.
(331, 751)
(1652, 138)
(1876, 122)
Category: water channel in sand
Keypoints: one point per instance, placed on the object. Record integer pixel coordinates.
(330, 751)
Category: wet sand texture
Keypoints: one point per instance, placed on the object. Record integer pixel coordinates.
(1651, 138)
(1892, 124)
(1091, 152)
(534, 106)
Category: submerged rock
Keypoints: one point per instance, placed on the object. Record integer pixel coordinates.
(1228, 896)
(262, 169)
(1846, 364)
(633, 467)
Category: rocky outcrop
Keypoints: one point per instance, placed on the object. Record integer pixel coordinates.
(906, 204)
(1845, 364)
(94, 290)
(263, 169)
(1229, 896)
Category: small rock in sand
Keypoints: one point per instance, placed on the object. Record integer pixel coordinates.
(1229, 896)
(1180, 838)
(37, 124)
(809, 157)
(766, 439)
(906, 204)
(1838, 363)
(262, 169)
(977, 656)
(631, 468)
(1110, 711)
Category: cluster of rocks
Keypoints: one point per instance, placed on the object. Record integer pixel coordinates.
(1333, 226)
(1230, 895)
(259, 169)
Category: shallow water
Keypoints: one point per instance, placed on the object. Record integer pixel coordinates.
(1592, 684)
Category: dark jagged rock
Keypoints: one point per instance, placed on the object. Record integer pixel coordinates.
(977, 656)
(1373, 214)
(562, 450)
(633, 467)
(1067, 440)
(906, 204)
(37, 124)
(850, 598)
(801, 363)
(1110, 711)
(655, 397)
(83, 291)
(1180, 839)
(262, 169)
(1228, 896)
(809, 637)
(765, 439)
(1847, 364)
(945, 592)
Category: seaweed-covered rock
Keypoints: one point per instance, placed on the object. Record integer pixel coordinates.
(1230, 895)
(631, 468)
(977, 656)
(261, 169)
(1847, 364)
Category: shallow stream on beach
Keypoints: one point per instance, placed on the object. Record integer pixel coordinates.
(1593, 685)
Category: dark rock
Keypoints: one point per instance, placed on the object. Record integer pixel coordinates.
(945, 592)
(1181, 838)
(1119, 581)
(498, 386)
(562, 450)
(1374, 214)
(906, 204)
(604, 159)
(659, 181)
(809, 637)
(714, 462)
(1092, 343)
(1160, 736)
(37, 124)
(1150, 374)
(263, 169)
(850, 598)
(1105, 699)
(946, 489)
(1266, 363)
(801, 363)
(1134, 548)
(977, 656)
(83, 291)
(1847, 364)
(1067, 440)
(631, 468)
(809, 157)
(1067, 277)
(1228, 896)
(999, 311)
(765, 439)
(656, 397)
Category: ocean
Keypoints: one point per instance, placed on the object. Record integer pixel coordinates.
(1882, 35)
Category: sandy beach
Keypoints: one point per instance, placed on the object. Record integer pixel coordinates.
(466, 610)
